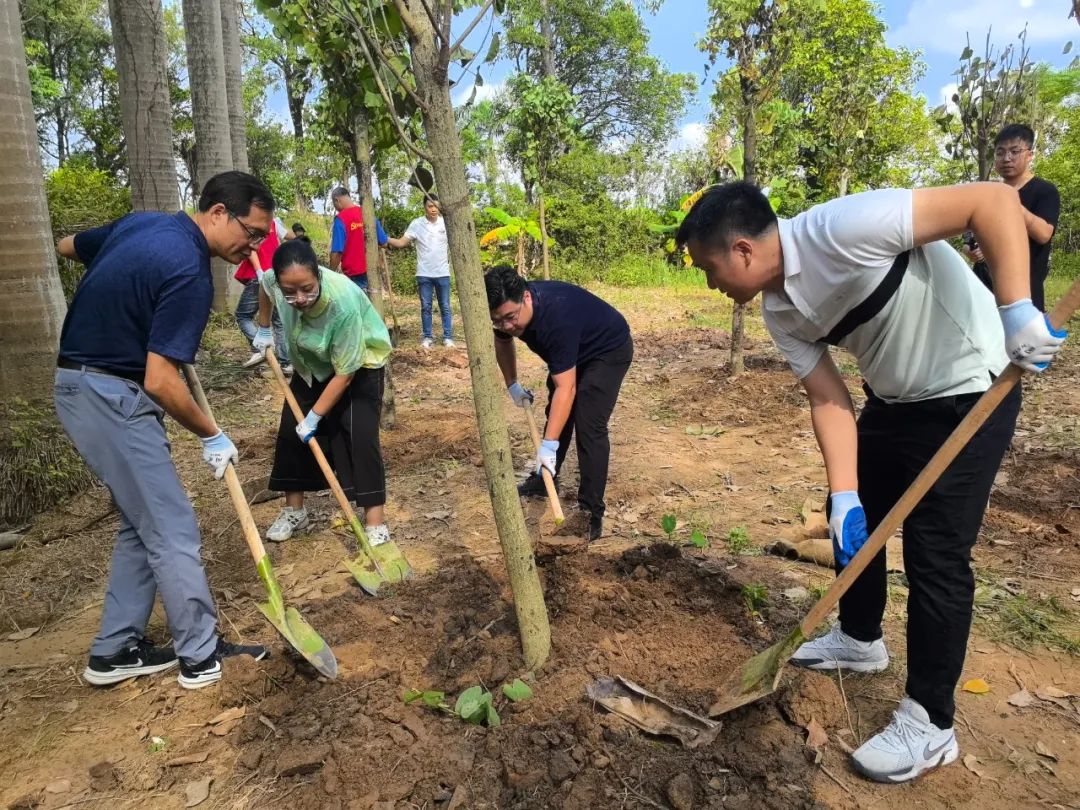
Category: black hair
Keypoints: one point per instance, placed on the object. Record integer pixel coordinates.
(725, 213)
(298, 228)
(340, 191)
(296, 252)
(303, 238)
(1016, 132)
(503, 284)
(237, 191)
(433, 197)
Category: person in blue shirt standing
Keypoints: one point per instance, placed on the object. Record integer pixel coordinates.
(138, 313)
(588, 349)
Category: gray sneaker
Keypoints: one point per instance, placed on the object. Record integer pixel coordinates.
(909, 745)
(837, 649)
(426, 343)
(288, 522)
(448, 343)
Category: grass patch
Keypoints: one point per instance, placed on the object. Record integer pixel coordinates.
(738, 541)
(1024, 621)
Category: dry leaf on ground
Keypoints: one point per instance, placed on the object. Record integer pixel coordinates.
(196, 793)
(815, 734)
(1021, 699)
(1043, 751)
(977, 686)
(972, 764)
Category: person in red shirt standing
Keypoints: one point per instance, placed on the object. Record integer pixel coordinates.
(347, 252)
(248, 305)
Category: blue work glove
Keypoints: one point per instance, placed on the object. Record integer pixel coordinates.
(522, 396)
(545, 456)
(847, 525)
(219, 451)
(263, 340)
(1030, 340)
(306, 429)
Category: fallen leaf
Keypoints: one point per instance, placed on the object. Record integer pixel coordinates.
(58, 786)
(21, 635)
(68, 706)
(221, 729)
(1021, 699)
(977, 686)
(1054, 695)
(197, 792)
(439, 514)
(1043, 751)
(816, 737)
(972, 764)
(1048, 767)
(187, 759)
(234, 713)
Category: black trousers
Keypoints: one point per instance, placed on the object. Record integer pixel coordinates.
(895, 443)
(348, 435)
(598, 383)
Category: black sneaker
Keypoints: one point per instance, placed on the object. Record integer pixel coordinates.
(141, 658)
(596, 527)
(204, 673)
(533, 487)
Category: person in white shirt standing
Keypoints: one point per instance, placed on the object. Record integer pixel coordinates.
(870, 273)
(432, 268)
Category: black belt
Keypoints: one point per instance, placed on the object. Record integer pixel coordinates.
(134, 376)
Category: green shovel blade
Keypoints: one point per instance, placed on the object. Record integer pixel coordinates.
(292, 626)
(392, 561)
(758, 677)
(365, 573)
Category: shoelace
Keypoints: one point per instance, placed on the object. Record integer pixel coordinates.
(906, 730)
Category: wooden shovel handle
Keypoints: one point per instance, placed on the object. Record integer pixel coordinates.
(549, 483)
(320, 457)
(232, 480)
(933, 470)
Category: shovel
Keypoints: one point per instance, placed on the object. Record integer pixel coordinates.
(287, 620)
(760, 675)
(374, 565)
(549, 482)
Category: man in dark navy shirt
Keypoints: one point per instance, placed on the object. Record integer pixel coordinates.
(587, 346)
(138, 313)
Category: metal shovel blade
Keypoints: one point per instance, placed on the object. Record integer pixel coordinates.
(392, 561)
(292, 626)
(757, 677)
(366, 575)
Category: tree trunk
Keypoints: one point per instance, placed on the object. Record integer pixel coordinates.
(842, 185)
(543, 236)
(738, 311)
(548, 47)
(138, 33)
(32, 305)
(295, 94)
(521, 253)
(234, 82)
(488, 394)
(209, 110)
(371, 250)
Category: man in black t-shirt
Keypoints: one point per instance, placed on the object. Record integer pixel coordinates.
(587, 346)
(1013, 152)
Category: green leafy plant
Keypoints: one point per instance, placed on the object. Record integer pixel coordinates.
(431, 698)
(756, 597)
(474, 706)
(517, 691)
(698, 539)
(738, 540)
(668, 524)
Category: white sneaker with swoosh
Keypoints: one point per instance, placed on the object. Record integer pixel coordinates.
(909, 745)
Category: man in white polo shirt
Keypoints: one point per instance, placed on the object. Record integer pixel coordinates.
(869, 273)
(432, 268)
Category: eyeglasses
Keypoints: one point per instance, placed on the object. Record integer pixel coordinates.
(255, 238)
(508, 320)
(1011, 153)
(302, 297)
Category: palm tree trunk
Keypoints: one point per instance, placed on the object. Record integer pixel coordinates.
(210, 110)
(430, 68)
(32, 305)
(234, 82)
(138, 32)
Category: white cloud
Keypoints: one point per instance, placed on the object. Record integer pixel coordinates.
(946, 94)
(691, 136)
(937, 26)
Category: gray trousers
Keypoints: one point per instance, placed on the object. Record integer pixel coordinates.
(119, 432)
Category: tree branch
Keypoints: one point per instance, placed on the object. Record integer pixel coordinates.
(406, 15)
(369, 42)
(469, 29)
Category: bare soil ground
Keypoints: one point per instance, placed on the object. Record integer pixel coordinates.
(718, 453)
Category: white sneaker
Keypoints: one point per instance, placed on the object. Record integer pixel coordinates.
(909, 745)
(426, 343)
(254, 360)
(287, 369)
(288, 521)
(377, 535)
(837, 649)
(448, 343)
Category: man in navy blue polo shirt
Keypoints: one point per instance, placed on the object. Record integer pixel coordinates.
(138, 313)
(587, 346)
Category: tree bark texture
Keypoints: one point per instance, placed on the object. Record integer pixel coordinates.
(738, 311)
(234, 82)
(544, 237)
(32, 306)
(430, 72)
(209, 110)
(371, 251)
(138, 32)
(548, 48)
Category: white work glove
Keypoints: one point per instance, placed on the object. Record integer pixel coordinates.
(306, 429)
(847, 525)
(1030, 340)
(263, 340)
(545, 456)
(522, 396)
(219, 452)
